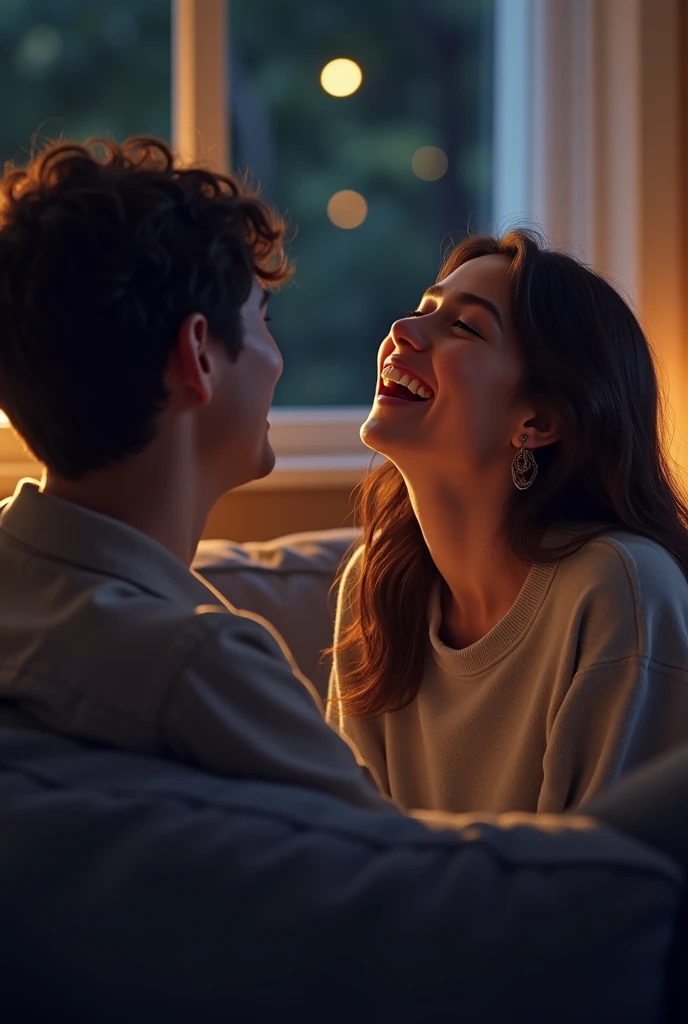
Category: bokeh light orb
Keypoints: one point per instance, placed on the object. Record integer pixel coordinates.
(341, 77)
(429, 163)
(347, 209)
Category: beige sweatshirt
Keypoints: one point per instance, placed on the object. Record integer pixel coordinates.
(585, 677)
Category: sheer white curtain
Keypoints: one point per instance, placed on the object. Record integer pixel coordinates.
(605, 157)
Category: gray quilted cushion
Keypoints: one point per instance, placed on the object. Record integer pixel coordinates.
(288, 582)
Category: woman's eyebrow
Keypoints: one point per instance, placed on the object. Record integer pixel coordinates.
(467, 299)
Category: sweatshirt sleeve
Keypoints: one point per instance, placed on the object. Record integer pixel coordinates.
(627, 700)
(615, 715)
(239, 708)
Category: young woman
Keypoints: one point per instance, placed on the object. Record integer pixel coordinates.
(513, 632)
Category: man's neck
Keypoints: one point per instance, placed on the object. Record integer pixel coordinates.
(463, 533)
(162, 501)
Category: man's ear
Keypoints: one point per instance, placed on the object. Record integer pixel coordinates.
(190, 366)
(541, 429)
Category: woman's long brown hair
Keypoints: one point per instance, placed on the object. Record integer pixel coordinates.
(587, 360)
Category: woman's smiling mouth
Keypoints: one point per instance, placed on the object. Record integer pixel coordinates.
(399, 383)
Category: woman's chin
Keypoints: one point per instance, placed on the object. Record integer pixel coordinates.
(370, 432)
(381, 435)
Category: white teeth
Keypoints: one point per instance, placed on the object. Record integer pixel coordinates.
(397, 376)
(391, 373)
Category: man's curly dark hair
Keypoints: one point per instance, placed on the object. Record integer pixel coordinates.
(104, 250)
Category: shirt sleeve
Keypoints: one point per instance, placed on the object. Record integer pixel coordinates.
(239, 708)
(614, 716)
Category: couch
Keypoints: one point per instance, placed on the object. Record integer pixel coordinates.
(289, 582)
(133, 889)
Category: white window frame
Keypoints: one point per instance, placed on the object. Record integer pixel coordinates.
(580, 150)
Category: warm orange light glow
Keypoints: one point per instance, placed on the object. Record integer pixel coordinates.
(347, 209)
(341, 77)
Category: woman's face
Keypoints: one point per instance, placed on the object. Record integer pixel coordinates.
(460, 346)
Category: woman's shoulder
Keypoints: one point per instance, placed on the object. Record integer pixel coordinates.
(625, 557)
(626, 574)
(628, 595)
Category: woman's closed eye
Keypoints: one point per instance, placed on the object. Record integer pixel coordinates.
(461, 324)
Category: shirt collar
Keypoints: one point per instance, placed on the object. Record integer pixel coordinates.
(70, 533)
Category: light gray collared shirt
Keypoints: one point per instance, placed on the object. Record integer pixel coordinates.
(106, 636)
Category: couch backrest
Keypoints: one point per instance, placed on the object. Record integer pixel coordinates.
(288, 581)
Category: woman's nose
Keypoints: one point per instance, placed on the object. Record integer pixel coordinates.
(409, 331)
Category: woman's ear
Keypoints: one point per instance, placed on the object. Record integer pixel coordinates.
(541, 429)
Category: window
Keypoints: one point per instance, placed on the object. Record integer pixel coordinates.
(370, 124)
(75, 68)
(472, 113)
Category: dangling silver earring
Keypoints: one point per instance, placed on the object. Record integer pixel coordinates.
(524, 468)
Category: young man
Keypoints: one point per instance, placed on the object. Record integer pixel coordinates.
(137, 364)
